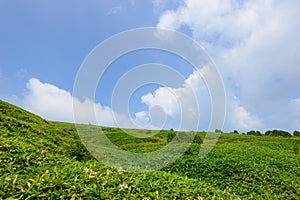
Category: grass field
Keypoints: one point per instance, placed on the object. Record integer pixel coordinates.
(41, 159)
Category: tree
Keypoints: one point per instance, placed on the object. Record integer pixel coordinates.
(278, 133)
(256, 133)
(296, 133)
(218, 131)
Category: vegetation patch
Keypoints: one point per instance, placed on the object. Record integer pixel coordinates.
(46, 160)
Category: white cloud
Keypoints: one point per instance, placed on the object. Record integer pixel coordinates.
(48, 101)
(255, 45)
(53, 103)
(194, 95)
(142, 118)
(183, 105)
(115, 10)
(242, 120)
(164, 97)
(169, 21)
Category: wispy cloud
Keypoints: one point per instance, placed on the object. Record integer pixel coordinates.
(115, 10)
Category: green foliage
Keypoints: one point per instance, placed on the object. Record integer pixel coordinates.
(255, 133)
(171, 135)
(218, 131)
(296, 133)
(278, 133)
(198, 139)
(46, 160)
(296, 149)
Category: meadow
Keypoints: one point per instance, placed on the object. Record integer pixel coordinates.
(46, 160)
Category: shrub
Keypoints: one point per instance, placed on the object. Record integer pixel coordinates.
(256, 133)
(296, 133)
(185, 137)
(170, 136)
(278, 133)
(193, 149)
(197, 139)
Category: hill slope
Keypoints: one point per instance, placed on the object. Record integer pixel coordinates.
(40, 159)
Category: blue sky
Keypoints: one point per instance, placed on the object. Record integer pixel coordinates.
(254, 44)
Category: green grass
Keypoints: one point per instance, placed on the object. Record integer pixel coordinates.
(41, 159)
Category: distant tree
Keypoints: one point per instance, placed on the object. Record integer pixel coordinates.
(296, 133)
(278, 133)
(218, 131)
(171, 129)
(256, 133)
(235, 132)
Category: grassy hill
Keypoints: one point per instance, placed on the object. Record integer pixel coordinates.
(41, 159)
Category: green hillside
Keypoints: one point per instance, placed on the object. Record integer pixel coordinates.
(41, 159)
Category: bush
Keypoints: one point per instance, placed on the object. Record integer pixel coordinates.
(197, 139)
(193, 149)
(256, 133)
(184, 137)
(296, 133)
(170, 136)
(278, 133)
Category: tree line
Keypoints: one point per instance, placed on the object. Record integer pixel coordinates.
(274, 132)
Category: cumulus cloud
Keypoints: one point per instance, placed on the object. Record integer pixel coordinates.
(164, 97)
(193, 98)
(255, 45)
(242, 119)
(48, 100)
(53, 103)
(185, 105)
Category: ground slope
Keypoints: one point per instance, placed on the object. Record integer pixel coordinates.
(40, 159)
